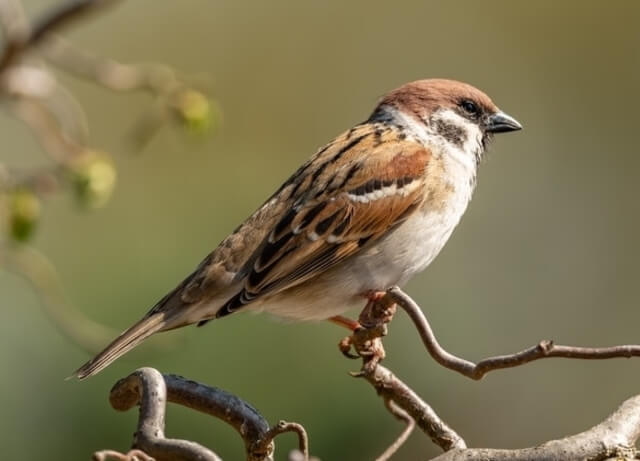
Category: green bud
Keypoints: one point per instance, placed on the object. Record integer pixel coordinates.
(195, 110)
(93, 177)
(24, 213)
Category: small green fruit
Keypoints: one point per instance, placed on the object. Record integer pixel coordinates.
(24, 214)
(195, 110)
(93, 176)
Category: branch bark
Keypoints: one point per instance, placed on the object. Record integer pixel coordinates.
(54, 20)
(151, 390)
(613, 438)
(544, 349)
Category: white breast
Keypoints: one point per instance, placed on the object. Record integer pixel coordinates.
(413, 246)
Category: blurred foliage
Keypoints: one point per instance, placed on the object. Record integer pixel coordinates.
(196, 111)
(24, 213)
(547, 249)
(93, 177)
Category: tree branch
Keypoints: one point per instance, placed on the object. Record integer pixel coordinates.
(544, 349)
(410, 424)
(615, 437)
(151, 390)
(55, 19)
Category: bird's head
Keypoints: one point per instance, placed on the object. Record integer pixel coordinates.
(452, 112)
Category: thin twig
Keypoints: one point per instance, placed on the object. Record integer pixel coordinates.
(390, 387)
(410, 424)
(544, 349)
(34, 267)
(52, 21)
(114, 75)
(283, 427)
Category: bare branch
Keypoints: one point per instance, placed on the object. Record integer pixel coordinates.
(283, 427)
(151, 390)
(29, 263)
(54, 20)
(116, 76)
(544, 349)
(402, 415)
(368, 344)
(392, 388)
(615, 438)
(146, 387)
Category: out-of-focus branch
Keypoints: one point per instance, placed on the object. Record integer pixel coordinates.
(151, 390)
(31, 91)
(58, 17)
(175, 95)
(116, 76)
(38, 270)
(542, 350)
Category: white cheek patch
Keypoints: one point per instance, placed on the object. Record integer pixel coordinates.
(471, 135)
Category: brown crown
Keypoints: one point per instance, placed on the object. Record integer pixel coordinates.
(423, 97)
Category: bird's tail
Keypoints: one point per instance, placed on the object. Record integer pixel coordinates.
(122, 344)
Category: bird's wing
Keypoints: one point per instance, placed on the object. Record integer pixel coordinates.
(351, 193)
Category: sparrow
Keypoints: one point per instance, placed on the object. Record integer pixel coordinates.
(366, 212)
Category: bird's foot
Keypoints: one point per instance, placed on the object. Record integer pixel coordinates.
(367, 344)
(367, 332)
(379, 310)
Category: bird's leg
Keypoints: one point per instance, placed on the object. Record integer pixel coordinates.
(345, 344)
(372, 325)
(346, 322)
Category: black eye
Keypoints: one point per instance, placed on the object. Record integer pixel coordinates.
(470, 107)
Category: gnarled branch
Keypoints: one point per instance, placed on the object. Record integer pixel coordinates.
(151, 390)
(613, 438)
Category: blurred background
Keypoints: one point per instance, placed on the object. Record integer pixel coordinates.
(549, 247)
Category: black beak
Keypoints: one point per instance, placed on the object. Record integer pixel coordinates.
(502, 123)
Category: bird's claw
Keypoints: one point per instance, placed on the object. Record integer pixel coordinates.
(345, 346)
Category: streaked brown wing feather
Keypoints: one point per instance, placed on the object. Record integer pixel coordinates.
(335, 213)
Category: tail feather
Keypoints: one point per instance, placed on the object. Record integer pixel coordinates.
(122, 344)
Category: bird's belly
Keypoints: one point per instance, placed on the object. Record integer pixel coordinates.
(405, 252)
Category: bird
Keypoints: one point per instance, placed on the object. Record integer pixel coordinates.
(366, 212)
